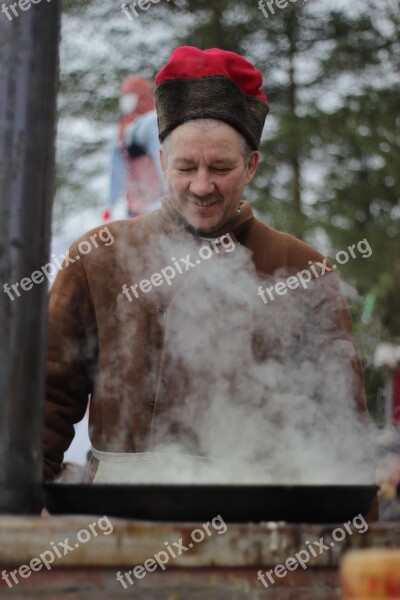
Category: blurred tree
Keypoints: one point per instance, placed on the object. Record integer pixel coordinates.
(359, 196)
(358, 140)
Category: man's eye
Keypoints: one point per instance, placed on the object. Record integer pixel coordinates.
(187, 170)
(221, 170)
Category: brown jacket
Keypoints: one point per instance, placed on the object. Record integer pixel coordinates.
(128, 354)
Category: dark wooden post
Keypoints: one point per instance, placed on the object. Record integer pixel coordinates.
(28, 88)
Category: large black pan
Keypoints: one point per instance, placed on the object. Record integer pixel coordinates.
(235, 503)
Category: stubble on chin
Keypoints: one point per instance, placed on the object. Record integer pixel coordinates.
(220, 228)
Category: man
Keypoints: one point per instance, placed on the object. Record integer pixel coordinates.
(165, 328)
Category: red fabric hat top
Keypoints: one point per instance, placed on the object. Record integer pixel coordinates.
(188, 62)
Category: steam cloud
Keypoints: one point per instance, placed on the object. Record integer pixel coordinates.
(269, 390)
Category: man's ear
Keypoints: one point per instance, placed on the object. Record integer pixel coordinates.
(252, 165)
(163, 162)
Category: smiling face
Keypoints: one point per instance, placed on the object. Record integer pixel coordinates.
(206, 173)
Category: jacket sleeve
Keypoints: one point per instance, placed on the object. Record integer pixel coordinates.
(72, 343)
(340, 329)
(342, 321)
(332, 308)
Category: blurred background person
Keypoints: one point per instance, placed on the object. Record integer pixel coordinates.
(136, 173)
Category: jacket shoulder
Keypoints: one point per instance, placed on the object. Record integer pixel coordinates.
(124, 231)
(278, 249)
(121, 228)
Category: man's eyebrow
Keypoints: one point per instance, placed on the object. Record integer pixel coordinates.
(224, 161)
(186, 161)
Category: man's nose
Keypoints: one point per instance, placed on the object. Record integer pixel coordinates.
(201, 184)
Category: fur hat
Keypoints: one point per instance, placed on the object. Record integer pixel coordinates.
(214, 84)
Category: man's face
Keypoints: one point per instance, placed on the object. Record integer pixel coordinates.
(206, 174)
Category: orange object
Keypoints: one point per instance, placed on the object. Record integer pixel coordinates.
(372, 574)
